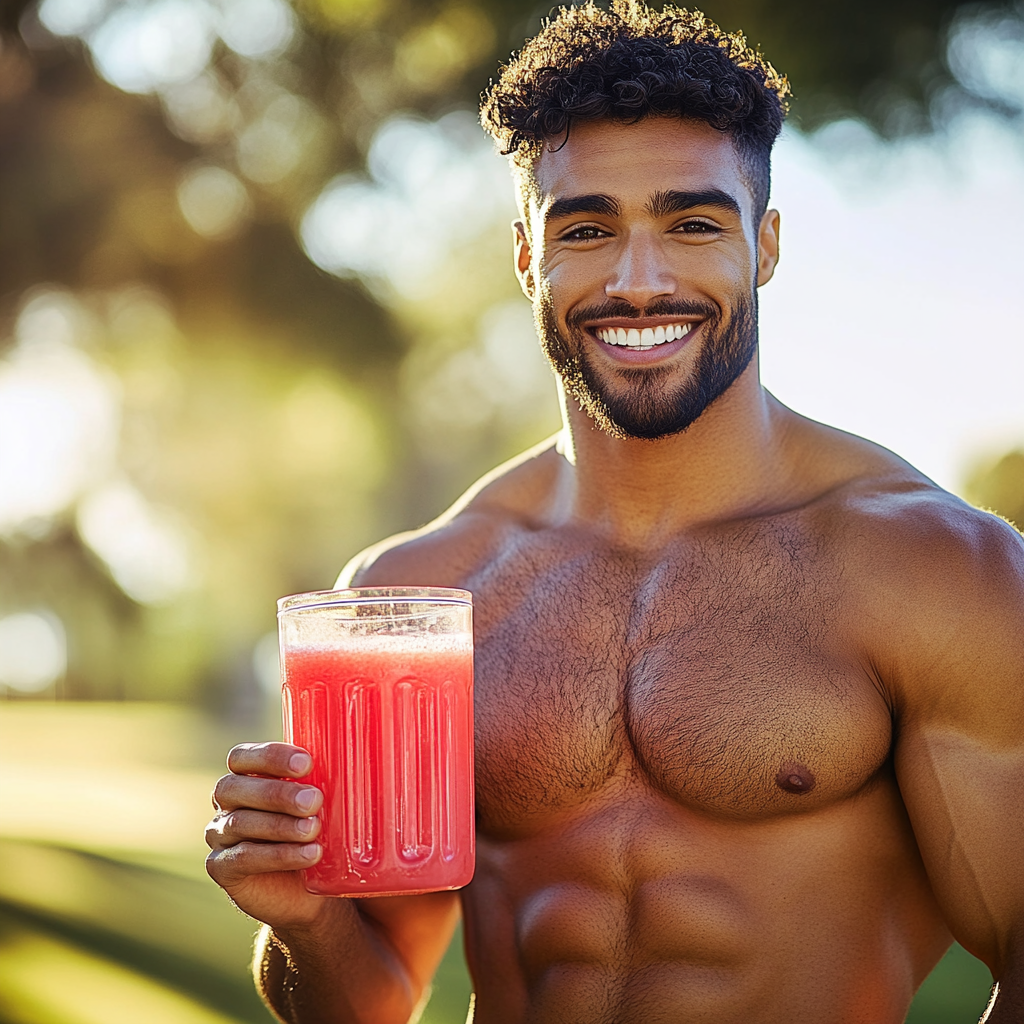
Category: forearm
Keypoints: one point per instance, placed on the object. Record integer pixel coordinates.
(340, 972)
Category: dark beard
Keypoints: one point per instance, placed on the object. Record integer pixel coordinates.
(648, 406)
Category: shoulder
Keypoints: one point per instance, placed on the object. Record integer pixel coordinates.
(452, 547)
(909, 533)
(887, 523)
(935, 591)
(929, 591)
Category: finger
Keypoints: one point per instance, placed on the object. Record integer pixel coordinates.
(282, 760)
(245, 825)
(276, 795)
(235, 864)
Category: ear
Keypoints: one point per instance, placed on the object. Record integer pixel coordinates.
(523, 258)
(767, 247)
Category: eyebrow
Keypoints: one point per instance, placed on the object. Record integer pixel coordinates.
(592, 203)
(664, 203)
(661, 204)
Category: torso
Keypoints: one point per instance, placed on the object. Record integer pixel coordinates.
(687, 808)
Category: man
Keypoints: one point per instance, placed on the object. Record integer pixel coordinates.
(750, 690)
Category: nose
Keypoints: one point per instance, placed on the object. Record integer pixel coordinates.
(642, 273)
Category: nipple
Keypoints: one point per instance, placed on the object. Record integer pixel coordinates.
(795, 778)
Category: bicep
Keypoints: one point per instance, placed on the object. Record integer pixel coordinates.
(963, 792)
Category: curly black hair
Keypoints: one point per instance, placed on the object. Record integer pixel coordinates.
(631, 62)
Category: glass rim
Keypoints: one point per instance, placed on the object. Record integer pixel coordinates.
(373, 595)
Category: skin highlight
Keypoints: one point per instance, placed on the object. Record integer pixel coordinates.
(750, 695)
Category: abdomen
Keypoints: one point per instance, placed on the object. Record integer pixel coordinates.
(636, 909)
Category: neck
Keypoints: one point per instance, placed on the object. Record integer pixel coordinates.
(730, 462)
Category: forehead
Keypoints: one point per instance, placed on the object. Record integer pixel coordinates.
(635, 161)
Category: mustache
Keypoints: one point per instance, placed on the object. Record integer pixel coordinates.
(620, 309)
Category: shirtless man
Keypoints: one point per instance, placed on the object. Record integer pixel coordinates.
(750, 690)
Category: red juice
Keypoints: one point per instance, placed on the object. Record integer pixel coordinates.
(389, 723)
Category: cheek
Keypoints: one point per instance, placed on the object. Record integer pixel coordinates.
(565, 284)
(579, 277)
(716, 268)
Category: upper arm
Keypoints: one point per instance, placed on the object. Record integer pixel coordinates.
(958, 699)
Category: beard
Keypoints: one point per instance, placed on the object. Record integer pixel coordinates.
(649, 404)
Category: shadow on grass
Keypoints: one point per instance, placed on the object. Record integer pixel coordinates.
(179, 932)
(234, 997)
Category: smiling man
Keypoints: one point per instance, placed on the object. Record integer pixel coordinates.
(750, 690)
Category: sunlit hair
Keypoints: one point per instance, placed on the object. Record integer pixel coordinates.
(628, 63)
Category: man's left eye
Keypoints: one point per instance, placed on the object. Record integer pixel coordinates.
(697, 227)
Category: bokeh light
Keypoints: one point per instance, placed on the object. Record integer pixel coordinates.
(33, 651)
(432, 186)
(59, 416)
(144, 46)
(213, 201)
(147, 552)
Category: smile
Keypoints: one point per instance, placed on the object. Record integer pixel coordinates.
(643, 339)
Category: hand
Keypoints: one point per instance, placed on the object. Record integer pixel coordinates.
(264, 832)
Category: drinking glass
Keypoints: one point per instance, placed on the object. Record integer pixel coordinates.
(378, 687)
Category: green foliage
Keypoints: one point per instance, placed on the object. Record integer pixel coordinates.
(998, 485)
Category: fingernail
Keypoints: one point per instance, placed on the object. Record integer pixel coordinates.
(304, 798)
(300, 763)
(309, 851)
(305, 825)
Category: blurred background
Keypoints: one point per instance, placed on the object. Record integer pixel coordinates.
(257, 310)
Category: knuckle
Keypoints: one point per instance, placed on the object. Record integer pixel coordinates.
(221, 790)
(215, 866)
(224, 824)
(237, 752)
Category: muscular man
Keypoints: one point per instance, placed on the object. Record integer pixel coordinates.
(750, 690)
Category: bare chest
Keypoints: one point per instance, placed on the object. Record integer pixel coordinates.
(716, 675)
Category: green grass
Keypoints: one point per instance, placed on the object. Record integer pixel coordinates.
(956, 992)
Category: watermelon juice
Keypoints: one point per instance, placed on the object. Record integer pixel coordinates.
(388, 720)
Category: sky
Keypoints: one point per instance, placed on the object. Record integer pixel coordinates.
(897, 311)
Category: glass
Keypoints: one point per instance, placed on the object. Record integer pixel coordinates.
(378, 687)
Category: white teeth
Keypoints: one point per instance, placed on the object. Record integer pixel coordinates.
(645, 339)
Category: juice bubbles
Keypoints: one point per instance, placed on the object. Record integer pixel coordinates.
(378, 687)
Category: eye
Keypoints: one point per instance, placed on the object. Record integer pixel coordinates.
(697, 227)
(583, 233)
